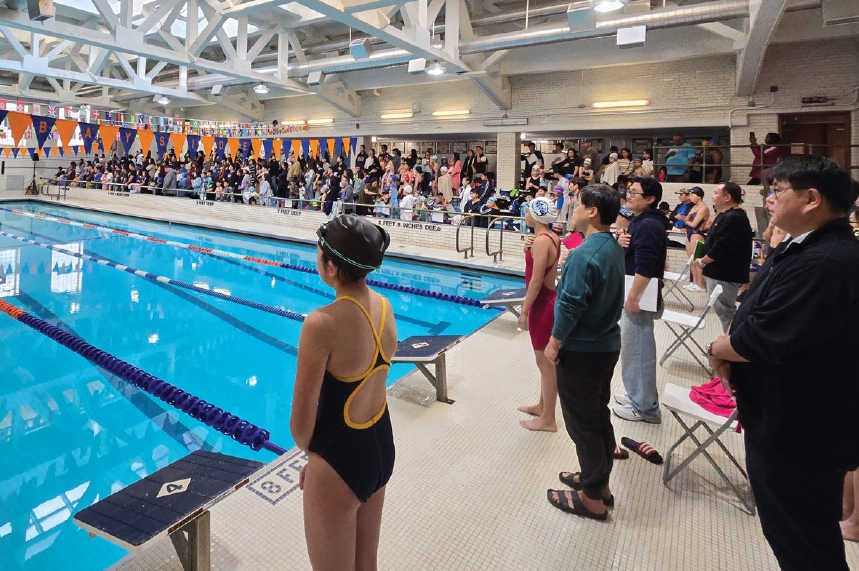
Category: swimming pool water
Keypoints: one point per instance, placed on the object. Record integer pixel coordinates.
(72, 434)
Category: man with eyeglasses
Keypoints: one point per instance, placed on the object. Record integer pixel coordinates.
(790, 357)
(646, 246)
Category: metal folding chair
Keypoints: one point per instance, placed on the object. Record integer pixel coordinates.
(674, 288)
(683, 326)
(676, 400)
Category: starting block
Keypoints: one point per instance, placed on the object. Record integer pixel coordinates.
(423, 350)
(510, 299)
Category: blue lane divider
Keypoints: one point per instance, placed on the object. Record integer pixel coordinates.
(163, 279)
(224, 422)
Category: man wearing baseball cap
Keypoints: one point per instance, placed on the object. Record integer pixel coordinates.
(587, 151)
(681, 210)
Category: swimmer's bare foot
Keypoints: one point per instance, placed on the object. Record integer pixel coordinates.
(539, 424)
(533, 410)
(850, 530)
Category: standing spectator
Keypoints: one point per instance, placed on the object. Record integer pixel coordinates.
(679, 159)
(468, 164)
(587, 151)
(612, 171)
(445, 187)
(537, 315)
(347, 193)
(361, 158)
(727, 250)
(481, 163)
(532, 156)
(694, 223)
(412, 159)
(646, 248)
(584, 346)
(455, 172)
(647, 162)
(790, 358)
(766, 156)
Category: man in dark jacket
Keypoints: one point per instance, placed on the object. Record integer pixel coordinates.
(727, 251)
(646, 246)
(791, 358)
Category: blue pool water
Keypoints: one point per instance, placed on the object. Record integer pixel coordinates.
(72, 434)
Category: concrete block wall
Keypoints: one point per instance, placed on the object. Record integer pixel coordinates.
(509, 164)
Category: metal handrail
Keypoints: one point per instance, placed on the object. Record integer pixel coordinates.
(499, 253)
(471, 246)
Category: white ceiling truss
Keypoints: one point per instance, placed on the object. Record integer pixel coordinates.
(126, 54)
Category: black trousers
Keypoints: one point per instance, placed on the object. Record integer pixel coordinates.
(799, 504)
(584, 389)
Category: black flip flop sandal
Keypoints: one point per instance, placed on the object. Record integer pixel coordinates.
(569, 479)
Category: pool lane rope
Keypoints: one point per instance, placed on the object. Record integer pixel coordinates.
(162, 279)
(224, 422)
(460, 299)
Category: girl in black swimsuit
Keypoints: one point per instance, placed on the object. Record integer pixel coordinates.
(339, 414)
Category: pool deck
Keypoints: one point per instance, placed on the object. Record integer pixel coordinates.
(469, 486)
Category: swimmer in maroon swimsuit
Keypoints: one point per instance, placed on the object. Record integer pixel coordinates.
(538, 309)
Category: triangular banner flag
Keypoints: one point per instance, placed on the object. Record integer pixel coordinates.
(179, 144)
(146, 137)
(193, 145)
(330, 147)
(266, 148)
(61, 151)
(47, 151)
(108, 136)
(8, 151)
(220, 146)
(338, 147)
(43, 127)
(297, 145)
(305, 148)
(3, 113)
(285, 146)
(353, 145)
(256, 147)
(15, 152)
(33, 152)
(346, 148)
(245, 147)
(208, 142)
(234, 146)
(89, 131)
(76, 148)
(161, 140)
(314, 147)
(66, 129)
(323, 147)
(127, 136)
(18, 123)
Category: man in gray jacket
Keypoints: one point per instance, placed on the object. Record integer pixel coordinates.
(168, 186)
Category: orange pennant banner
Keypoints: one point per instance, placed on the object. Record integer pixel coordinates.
(314, 147)
(146, 137)
(66, 129)
(18, 123)
(108, 136)
(208, 141)
(178, 143)
(347, 150)
(234, 146)
(256, 145)
(331, 149)
(296, 148)
(8, 151)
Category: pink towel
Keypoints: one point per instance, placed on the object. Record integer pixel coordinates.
(712, 397)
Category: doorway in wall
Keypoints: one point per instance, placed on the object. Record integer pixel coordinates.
(826, 134)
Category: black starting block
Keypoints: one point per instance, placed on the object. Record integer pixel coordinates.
(423, 350)
(511, 299)
(173, 501)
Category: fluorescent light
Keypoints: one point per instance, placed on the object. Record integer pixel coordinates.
(628, 103)
(453, 113)
(436, 69)
(397, 115)
(163, 100)
(522, 137)
(605, 6)
(319, 121)
(296, 122)
(262, 89)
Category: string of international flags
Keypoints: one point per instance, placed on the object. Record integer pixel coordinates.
(239, 140)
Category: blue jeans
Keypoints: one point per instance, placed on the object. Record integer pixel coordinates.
(638, 362)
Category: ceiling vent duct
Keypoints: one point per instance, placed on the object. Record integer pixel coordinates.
(631, 37)
(360, 49)
(837, 12)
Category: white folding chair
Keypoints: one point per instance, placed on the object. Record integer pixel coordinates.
(676, 400)
(676, 280)
(683, 326)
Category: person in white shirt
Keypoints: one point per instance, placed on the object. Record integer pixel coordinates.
(464, 191)
(612, 171)
(408, 202)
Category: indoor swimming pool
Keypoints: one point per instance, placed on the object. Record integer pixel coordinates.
(72, 433)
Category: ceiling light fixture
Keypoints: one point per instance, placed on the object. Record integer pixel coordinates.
(453, 113)
(606, 6)
(628, 103)
(319, 121)
(436, 69)
(397, 115)
(262, 89)
(163, 100)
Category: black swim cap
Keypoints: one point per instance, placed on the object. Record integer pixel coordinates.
(354, 244)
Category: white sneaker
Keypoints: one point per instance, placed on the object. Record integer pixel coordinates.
(626, 412)
(622, 400)
(693, 288)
